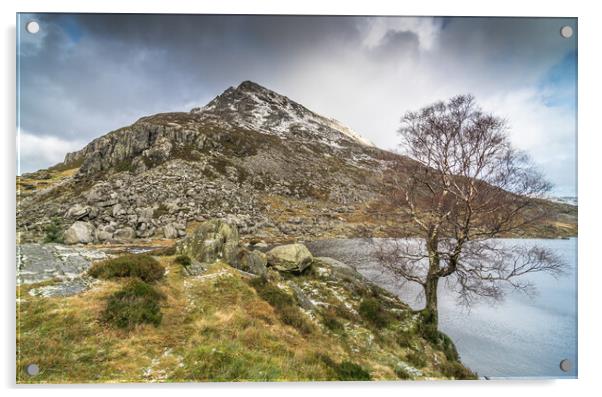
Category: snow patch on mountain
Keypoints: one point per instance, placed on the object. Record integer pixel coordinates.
(257, 108)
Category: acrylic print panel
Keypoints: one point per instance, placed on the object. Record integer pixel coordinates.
(207, 198)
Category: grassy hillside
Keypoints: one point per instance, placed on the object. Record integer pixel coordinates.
(325, 324)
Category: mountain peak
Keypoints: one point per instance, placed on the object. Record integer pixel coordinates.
(252, 106)
(249, 85)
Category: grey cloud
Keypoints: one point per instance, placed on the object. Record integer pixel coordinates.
(398, 44)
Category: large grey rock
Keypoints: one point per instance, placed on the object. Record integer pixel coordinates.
(211, 241)
(104, 233)
(118, 210)
(302, 298)
(145, 214)
(125, 234)
(79, 232)
(99, 193)
(41, 262)
(290, 258)
(63, 288)
(78, 211)
(329, 269)
(252, 261)
(170, 231)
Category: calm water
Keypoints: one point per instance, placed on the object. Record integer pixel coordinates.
(520, 337)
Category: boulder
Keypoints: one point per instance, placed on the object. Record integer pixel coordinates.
(290, 258)
(79, 232)
(78, 211)
(332, 269)
(145, 214)
(118, 210)
(252, 262)
(103, 234)
(302, 298)
(100, 192)
(170, 231)
(126, 233)
(212, 240)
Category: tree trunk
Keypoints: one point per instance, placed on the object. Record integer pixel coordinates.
(432, 280)
(430, 292)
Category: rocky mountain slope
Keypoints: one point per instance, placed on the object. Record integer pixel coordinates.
(264, 162)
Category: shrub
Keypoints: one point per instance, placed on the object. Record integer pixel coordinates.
(136, 303)
(416, 359)
(351, 371)
(402, 373)
(346, 370)
(144, 267)
(372, 311)
(454, 369)
(124, 166)
(54, 231)
(449, 348)
(183, 260)
(404, 339)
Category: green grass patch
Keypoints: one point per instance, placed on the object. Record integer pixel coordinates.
(404, 339)
(372, 311)
(136, 303)
(229, 362)
(53, 231)
(330, 320)
(402, 373)
(417, 359)
(183, 260)
(271, 293)
(284, 304)
(144, 267)
(454, 369)
(346, 370)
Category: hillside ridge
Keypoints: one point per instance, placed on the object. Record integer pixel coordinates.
(252, 156)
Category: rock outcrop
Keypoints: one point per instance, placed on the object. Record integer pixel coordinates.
(252, 261)
(41, 263)
(79, 232)
(211, 241)
(289, 258)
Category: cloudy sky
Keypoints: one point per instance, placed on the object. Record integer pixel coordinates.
(82, 76)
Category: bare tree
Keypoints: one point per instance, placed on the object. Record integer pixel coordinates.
(466, 186)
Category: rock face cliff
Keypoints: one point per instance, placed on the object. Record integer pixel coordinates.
(251, 156)
(235, 118)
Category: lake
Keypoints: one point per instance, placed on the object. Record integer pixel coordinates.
(521, 337)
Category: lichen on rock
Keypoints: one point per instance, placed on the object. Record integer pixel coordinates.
(212, 240)
(290, 258)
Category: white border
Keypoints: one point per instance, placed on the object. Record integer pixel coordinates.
(590, 146)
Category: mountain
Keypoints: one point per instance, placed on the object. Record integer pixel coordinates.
(252, 156)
